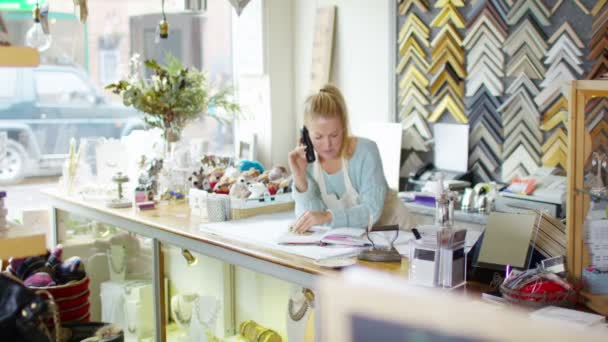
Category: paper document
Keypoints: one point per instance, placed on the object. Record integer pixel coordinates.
(326, 236)
(265, 230)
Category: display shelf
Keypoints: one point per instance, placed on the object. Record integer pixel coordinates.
(579, 198)
(121, 272)
(253, 282)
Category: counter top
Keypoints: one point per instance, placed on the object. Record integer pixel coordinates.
(175, 219)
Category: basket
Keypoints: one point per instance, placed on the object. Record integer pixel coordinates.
(244, 208)
(72, 300)
(566, 298)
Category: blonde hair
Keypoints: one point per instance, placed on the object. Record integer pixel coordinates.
(329, 103)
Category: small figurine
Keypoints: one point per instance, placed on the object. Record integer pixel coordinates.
(223, 186)
(246, 165)
(239, 190)
(276, 173)
(251, 173)
(197, 178)
(264, 177)
(285, 185)
(233, 172)
(273, 188)
(257, 190)
(148, 181)
(214, 176)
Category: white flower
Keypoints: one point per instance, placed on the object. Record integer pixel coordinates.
(134, 64)
(156, 82)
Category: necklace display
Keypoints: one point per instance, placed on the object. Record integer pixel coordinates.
(308, 301)
(205, 313)
(116, 252)
(131, 320)
(182, 307)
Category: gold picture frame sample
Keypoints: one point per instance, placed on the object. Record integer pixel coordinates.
(388, 309)
(322, 47)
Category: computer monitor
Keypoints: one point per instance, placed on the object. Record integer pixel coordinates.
(363, 305)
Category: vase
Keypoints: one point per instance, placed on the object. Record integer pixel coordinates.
(170, 137)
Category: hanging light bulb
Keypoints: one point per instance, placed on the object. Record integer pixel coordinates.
(162, 31)
(35, 36)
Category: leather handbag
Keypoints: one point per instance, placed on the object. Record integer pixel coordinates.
(24, 312)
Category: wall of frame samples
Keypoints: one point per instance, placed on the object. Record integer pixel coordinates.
(498, 66)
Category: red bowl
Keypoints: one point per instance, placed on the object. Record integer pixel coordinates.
(72, 302)
(76, 314)
(69, 290)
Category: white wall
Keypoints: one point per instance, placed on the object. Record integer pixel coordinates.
(362, 56)
(269, 69)
(361, 68)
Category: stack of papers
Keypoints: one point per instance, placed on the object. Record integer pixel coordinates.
(266, 230)
(568, 316)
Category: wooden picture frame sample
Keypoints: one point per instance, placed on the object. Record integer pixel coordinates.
(580, 148)
(323, 41)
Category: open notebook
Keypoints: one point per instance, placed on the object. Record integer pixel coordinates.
(325, 236)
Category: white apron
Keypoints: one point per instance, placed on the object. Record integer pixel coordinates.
(394, 211)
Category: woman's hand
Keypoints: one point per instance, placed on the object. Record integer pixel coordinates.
(297, 164)
(311, 218)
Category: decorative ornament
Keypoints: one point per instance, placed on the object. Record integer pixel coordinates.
(119, 202)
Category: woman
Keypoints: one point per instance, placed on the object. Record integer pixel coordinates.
(345, 186)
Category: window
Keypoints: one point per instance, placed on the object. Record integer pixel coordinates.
(65, 98)
(8, 87)
(61, 87)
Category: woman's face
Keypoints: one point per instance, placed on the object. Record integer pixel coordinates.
(326, 135)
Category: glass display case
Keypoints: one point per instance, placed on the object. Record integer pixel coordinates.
(587, 254)
(161, 279)
(120, 270)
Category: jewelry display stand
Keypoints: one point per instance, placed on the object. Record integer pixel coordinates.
(300, 315)
(119, 202)
(117, 262)
(205, 310)
(182, 308)
(127, 304)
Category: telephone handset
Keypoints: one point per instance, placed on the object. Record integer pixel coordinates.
(305, 140)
